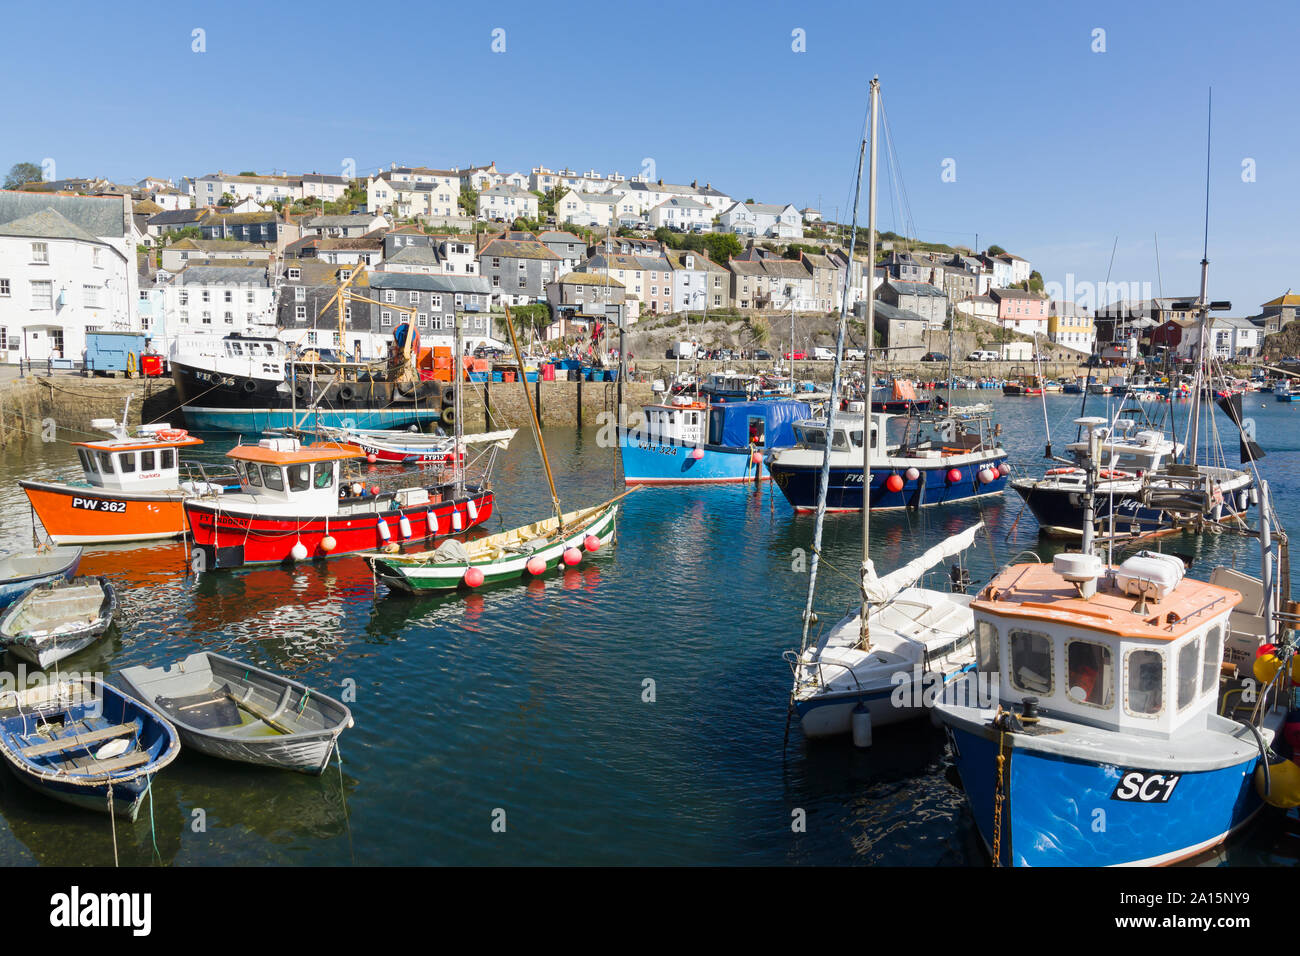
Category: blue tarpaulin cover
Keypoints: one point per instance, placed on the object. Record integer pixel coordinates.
(729, 423)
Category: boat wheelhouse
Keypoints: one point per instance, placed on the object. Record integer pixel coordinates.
(941, 459)
(131, 487)
(688, 442)
(1112, 680)
(297, 502)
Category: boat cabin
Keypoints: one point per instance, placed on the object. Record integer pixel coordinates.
(1136, 648)
(148, 460)
(680, 422)
(763, 424)
(282, 470)
(1128, 448)
(811, 433)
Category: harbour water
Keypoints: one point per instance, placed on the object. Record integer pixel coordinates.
(631, 710)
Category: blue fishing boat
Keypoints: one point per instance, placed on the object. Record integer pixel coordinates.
(86, 743)
(24, 570)
(1106, 722)
(1284, 393)
(942, 459)
(693, 442)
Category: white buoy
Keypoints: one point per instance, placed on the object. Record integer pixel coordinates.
(298, 552)
(860, 722)
(456, 522)
(404, 526)
(384, 533)
(471, 509)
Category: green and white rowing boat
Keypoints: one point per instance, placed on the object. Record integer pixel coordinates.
(521, 553)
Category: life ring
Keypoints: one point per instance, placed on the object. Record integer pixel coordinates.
(347, 393)
(1061, 471)
(172, 434)
(250, 386)
(1110, 475)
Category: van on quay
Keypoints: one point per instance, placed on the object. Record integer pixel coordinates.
(823, 355)
(982, 355)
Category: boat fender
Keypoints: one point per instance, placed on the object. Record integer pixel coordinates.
(448, 416)
(1061, 471)
(449, 395)
(115, 748)
(457, 523)
(404, 526)
(572, 556)
(432, 521)
(860, 721)
(300, 392)
(298, 552)
(384, 533)
(250, 386)
(347, 393)
(473, 577)
(471, 509)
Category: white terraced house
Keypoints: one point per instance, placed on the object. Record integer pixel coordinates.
(506, 203)
(67, 267)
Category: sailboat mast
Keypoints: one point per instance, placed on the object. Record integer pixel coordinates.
(866, 363)
(537, 425)
(458, 428)
(1201, 381)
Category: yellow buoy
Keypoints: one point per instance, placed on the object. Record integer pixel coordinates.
(1266, 668)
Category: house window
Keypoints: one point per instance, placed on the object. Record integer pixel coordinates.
(299, 294)
(422, 321)
(185, 317)
(4, 287)
(40, 253)
(42, 294)
(300, 313)
(230, 296)
(435, 303)
(229, 318)
(295, 274)
(183, 297)
(414, 298)
(248, 297)
(207, 318)
(90, 296)
(496, 262)
(389, 294)
(385, 317)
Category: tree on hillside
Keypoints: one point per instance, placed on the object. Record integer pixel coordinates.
(468, 202)
(996, 251)
(22, 173)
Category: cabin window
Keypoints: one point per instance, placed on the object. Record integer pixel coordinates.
(856, 438)
(986, 647)
(106, 462)
(167, 458)
(1089, 673)
(126, 462)
(1031, 661)
(273, 477)
(1213, 659)
(87, 461)
(146, 461)
(757, 428)
(324, 474)
(1144, 696)
(254, 477)
(1189, 660)
(299, 477)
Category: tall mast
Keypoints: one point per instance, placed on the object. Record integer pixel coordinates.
(824, 478)
(1203, 304)
(871, 341)
(458, 428)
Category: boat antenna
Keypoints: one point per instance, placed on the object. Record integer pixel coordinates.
(823, 479)
(537, 426)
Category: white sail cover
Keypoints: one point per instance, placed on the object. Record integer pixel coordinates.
(881, 589)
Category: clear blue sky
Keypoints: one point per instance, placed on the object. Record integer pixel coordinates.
(1058, 150)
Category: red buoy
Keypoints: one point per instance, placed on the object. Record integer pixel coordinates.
(591, 543)
(536, 565)
(954, 476)
(572, 556)
(372, 458)
(374, 489)
(894, 483)
(473, 577)
(756, 457)
(697, 454)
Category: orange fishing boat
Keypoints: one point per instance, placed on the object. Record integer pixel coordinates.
(131, 487)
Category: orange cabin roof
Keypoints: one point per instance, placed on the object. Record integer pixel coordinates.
(1035, 592)
(137, 444)
(320, 451)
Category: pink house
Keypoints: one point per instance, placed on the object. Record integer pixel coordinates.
(1021, 311)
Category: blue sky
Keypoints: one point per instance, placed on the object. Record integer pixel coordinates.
(1058, 151)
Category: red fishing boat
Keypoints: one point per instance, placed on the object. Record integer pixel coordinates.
(298, 502)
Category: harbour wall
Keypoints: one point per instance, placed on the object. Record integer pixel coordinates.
(61, 407)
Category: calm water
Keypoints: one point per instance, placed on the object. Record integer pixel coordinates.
(529, 699)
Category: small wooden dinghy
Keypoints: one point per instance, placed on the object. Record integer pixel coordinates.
(21, 572)
(86, 743)
(234, 711)
(56, 620)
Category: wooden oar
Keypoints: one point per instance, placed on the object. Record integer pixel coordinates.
(259, 714)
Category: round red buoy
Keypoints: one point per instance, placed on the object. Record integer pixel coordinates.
(536, 565)
(954, 476)
(473, 577)
(697, 454)
(894, 483)
(372, 458)
(374, 489)
(591, 543)
(913, 474)
(756, 457)
(572, 556)
(1266, 649)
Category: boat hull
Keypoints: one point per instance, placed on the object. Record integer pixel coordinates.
(660, 461)
(85, 515)
(1059, 512)
(1050, 815)
(14, 588)
(227, 539)
(844, 489)
(254, 421)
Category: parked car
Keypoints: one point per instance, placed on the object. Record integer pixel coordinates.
(796, 356)
(934, 357)
(982, 355)
(762, 355)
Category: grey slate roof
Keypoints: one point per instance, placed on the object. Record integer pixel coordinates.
(414, 256)
(46, 224)
(172, 217)
(474, 285)
(99, 216)
(885, 310)
(222, 275)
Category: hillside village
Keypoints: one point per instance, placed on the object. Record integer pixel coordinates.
(577, 253)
